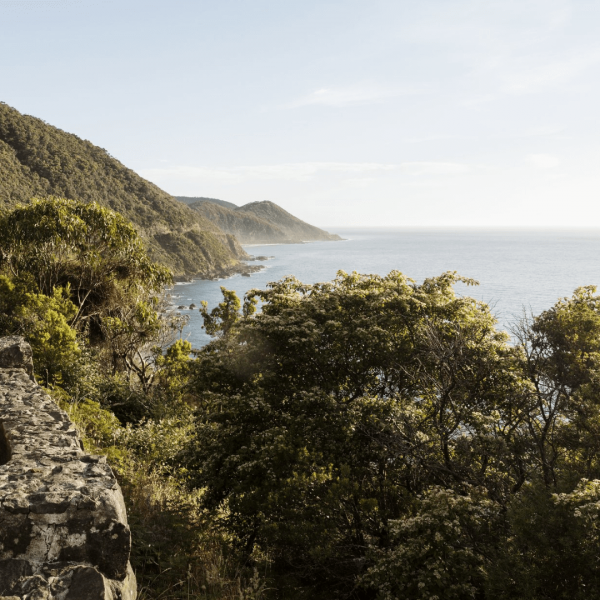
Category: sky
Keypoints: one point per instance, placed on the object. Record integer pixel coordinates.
(344, 112)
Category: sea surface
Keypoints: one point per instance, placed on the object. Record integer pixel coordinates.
(517, 269)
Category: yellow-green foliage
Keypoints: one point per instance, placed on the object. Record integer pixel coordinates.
(176, 553)
(44, 322)
(380, 439)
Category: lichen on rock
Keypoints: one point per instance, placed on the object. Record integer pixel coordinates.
(63, 524)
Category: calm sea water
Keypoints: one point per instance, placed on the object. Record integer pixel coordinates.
(516, 269)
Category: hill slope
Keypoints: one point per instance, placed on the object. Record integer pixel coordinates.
(294, 228)
(189, 200)
(260, 223)
(37, 159)
(247, 228)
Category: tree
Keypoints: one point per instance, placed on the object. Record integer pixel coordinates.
(440, 548)
(77, 274)
(95, 251)
(328, 413)
(560, 356)
(44, 322)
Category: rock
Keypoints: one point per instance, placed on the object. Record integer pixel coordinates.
(63, 525)
(11, 571)
(192, 306)
(15, 353)
(245, 274)
(182, 307)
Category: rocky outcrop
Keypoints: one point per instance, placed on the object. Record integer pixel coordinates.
(15, 353)
(63, 525)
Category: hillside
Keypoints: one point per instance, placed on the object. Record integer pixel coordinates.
(247, 228)
(37, 159)
(294, 228)
(261, 223)
(189, 200)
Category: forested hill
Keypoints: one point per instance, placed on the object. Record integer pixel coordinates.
(247, 228)
(194, 199)
(292, 226)
(37, 159)
(258, 222)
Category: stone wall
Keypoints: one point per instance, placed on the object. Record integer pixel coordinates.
(63, 526)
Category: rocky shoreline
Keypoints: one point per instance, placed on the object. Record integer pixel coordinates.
(239, 269)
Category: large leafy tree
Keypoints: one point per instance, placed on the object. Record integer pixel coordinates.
(76, 273)
(97, 253)
(377, 438)
(326, 414)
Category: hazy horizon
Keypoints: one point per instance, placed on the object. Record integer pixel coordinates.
(437, 113)
(549, 228)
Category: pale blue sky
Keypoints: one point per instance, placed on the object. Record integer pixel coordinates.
(420, 112)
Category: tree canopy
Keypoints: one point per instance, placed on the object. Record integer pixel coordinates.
(76, 275)
(375, 437)
(89, 249)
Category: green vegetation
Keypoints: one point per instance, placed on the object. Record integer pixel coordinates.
(369, 438)
(375, 438)
(37, 159)
(195, 199)
(76, 282)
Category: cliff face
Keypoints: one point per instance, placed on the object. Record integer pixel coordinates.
(63, 525)
(37, 159)
(260, 223)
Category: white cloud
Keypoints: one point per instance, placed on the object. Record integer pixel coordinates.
(543, 161)
(353, 95)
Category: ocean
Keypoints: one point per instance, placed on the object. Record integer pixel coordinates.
(517, 269)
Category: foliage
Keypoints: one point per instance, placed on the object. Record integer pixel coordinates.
(324, 414)
(438, 548)
(76, 282)
(551, 549)
(77, 275)
(92, 250)
(222, 319)
(44, 322)
(99, 428)
(376, 437)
